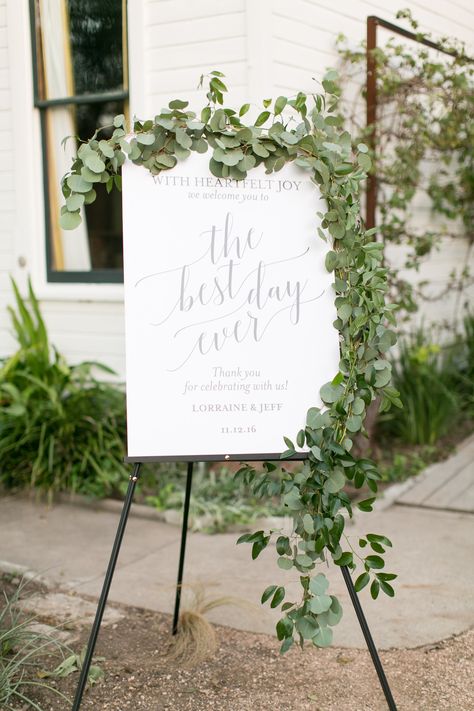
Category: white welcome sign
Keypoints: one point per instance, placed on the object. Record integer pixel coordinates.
(229, 310)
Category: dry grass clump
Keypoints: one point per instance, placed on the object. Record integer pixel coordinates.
(195, 640)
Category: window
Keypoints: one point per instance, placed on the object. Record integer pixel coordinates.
(80, 80)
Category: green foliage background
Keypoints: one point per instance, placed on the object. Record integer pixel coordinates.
(61, 429)
(422, 150)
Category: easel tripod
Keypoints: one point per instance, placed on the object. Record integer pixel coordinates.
(111, 569)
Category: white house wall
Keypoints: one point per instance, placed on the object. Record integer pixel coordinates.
(7, 212)
(265, 48)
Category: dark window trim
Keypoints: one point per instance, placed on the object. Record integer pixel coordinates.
(94, 276)
(82, 99)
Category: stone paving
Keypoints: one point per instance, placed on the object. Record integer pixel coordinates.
(432, 553)
(446, 485)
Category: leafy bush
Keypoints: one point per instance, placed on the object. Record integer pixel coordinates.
(423, 374)
(218, 499)
(60, 428)
(397, 466)
(465, 365)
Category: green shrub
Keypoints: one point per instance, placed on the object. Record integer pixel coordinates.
(464, 380)
(218, 499)
(402, 466)
(424, 375)
(61, 429)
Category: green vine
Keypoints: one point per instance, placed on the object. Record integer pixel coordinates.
(307, 131)
(422, 150)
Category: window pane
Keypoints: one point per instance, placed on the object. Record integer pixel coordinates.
(96, 43)
(97, 243)
(79, 47)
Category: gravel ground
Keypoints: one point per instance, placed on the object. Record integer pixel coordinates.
(246, 673)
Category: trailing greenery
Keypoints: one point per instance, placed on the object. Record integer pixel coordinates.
(308, 131)
(422, 149)
(60, 428)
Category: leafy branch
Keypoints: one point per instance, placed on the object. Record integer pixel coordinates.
(307, 131)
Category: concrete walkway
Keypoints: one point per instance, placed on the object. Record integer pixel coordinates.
(432, 554)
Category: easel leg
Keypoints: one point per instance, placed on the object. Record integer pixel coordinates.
(105, 588)
(184, 533)
(368, 638)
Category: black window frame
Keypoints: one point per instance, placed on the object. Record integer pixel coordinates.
(93, 276)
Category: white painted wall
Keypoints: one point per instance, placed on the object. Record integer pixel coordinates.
(7, 211)
(265, 47)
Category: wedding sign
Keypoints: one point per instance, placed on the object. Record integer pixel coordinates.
(229, 310)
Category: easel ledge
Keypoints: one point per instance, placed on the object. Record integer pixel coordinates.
(195, 458)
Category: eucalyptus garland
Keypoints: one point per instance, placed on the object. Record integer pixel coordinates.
(308, 131)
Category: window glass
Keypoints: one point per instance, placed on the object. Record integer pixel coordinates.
(79, 47)
(80, 65)
(96, 44)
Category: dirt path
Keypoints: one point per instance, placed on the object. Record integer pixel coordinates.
(246, 673)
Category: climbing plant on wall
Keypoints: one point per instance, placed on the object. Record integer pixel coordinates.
(422, 150)
(308, 131)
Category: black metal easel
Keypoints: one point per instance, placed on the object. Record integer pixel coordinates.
(111, 569)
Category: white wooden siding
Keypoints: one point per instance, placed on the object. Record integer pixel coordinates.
(7, 214)
(184, 40)
(265, 48)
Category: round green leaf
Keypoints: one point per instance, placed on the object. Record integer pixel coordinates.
(374, 561)
(330, 393)
(307, 627)
(344, 312)
(94, 163)
(78, 184)
(75, 201)
(354, 423)
(383, 377)
(331, 261)
(320, 603)
(146, 139)
(319, 584)
(165, 160)
(106, 149)
(323, 637)
(183, 139)
(90, 177)
(344, 559)
(358, 406)
(285, 563)
(89, 197)
(334, 612)
(335, 482)
(70, 220)
(304, 560)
